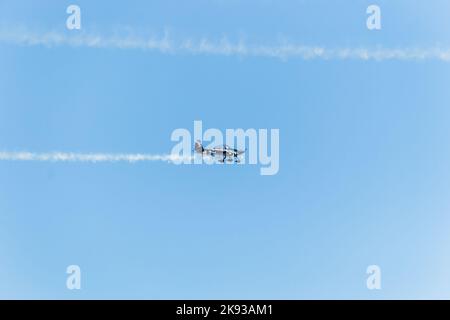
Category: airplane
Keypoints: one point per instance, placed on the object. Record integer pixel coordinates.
(225, 152)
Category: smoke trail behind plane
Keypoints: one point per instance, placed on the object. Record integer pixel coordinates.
(87, 157)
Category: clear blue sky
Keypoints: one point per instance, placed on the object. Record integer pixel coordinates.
(364, 154)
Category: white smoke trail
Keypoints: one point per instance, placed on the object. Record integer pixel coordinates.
(88, 157)
(222, 47)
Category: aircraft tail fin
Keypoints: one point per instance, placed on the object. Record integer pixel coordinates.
(199, 147)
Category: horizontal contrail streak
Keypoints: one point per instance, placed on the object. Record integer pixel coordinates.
(86, 157)
(221, 47)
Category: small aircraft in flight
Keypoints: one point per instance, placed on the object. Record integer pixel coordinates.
(223, 152)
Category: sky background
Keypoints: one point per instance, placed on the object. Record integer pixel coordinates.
(364, 154)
